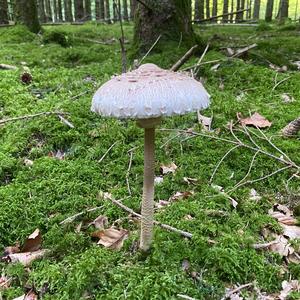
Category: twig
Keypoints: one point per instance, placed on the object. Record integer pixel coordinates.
(169, 140)
(264, 245)
(7, 67)
(229, 294)
(148, 52)
(104, 155)
(79, 95)
(145, 5)
(220, 162)
(72, 218)
(128, 172)
(201, 58)
(185, 297)
(164, 226)
(183, 59)
(280, 82)
(26, 117)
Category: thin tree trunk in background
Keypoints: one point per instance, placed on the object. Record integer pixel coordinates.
(55, 10)
(97, 9)
(269, 11)
(242, 7)
(125, 10)
(27, 14)
(79, 11)
(102, 10)
(201, 9)
(256, 9)
(207, 9)
(107, 11)
(196, 10)
(215, 9)
(231, 10)
(283, 11)
(238, 7)
(249, 7)
(48, 11)
(87, 10)
(59, 8)
(115, 12)
(68, 10)
(41, 10)
(168, 18)
(3, 12)
(133, 6)
(225, 11)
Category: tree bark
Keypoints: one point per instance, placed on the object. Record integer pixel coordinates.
(68, 10)
(107, 11)
(269, 11)
(256, 9)
(225, 11)
(115, 12)
(87, 10)
(168, 18)
(27, 14)
(231, 10)
(215, 9)
(3, 12)
(48, 11)
(207, 9)
(283, 11)
(133, 6)
(41, 10)
(59, 8)
(238, 15)
(55, 10)
(79, 11)
(125, 10)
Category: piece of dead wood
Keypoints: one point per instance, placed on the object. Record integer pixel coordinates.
(7, 67)
(292, 128)
(238, 289)
(26, 258)
(185, 297)
(27, 117)
(164, 226)
(183, 59)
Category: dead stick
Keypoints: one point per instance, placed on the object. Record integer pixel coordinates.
(183, 59)
(148, 52)
(26, 117)
(164, 226)
(228, 295)
(104, 155)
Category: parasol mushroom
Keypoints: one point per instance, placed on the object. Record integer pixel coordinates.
(147, 94)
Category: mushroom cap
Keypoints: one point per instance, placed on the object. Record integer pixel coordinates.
(149, 92)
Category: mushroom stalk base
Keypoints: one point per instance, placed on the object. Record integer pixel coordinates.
(148, 191)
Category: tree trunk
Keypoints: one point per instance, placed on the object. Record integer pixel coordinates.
(269, 11)
(59, 8)
(215, 9)
(79, 11)
(133, 6)
(107, 11)
(115, 12)
(87, 10)
(225, 11)
(41, 10)
(256, 9)
(238, 7)
(3, 12)
(48, 11)
(68, 10)
(242, 7)
(168, 18)
(283, 11)
(207, 9)
(231, 10)
(27, 14)
(125, 10)
(55, 11)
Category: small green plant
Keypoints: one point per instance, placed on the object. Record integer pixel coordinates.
(263, 26)
(58, 37)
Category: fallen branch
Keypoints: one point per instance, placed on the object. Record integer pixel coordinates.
(185, 297)
(74, 217)
(164, 226)
(104, 155)
(201, 58)
(229, 294)
(128, 172)
(26, 117)
(7, 67)
(148, 52)
(183, 59)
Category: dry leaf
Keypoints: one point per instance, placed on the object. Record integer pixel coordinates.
(256, 120)
(170, 168)
(204, 121)
(181, 195)
(57, 154)
(112, 238)
(188, 217)
(229, 51)
(286, 98)
(25, 258)
(297, 64)
(288, 287)
(162, 204)
(33, 242)
(28, 162)
(293, 232)
(31, 295)
(240, 96)
(185, 265)
(100, 222)
(4, 282)
(189, 180)
(215, 67)
(105, 195)
(282, 214)
(78, 227)
(281, 246)
(158, 180)
(64, 120)
(254, 196)
(12, 249)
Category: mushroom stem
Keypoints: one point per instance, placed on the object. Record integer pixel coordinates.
(148, 190)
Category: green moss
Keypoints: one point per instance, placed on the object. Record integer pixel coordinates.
(51, 190)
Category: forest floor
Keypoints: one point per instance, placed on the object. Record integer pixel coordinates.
(51, 170)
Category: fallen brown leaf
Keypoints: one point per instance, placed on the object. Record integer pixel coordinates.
(158, 180)
(112, 238)
(204, 121)
(190, 180)
(170, 168)
(282, 246)
(33, 242)
(162, 204)
(288, 287)
(28, 162)
(286, 98)
(293, 232)
(4, 282)
(31, 295)
(282, 214)
(100, 222)
(256, 120)
(25, 258)
(181, 195)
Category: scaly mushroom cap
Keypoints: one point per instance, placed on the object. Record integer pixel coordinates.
(149, 92)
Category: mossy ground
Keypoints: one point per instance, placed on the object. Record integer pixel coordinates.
(65, 78)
